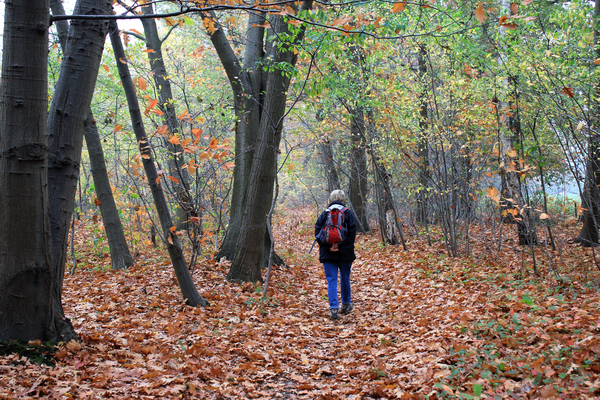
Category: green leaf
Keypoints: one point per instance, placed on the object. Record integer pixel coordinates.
(527, 300)
(477, 389)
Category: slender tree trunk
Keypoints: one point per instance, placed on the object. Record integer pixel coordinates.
(424, 174)
(327, 157)
(358, 169)
(184, 277)
(26, 273)
(119, 251)
(167, 106)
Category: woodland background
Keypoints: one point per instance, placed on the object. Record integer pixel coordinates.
(464, 133)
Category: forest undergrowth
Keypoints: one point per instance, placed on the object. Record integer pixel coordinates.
(424, 326)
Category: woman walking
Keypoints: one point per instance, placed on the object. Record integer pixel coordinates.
(337, 256)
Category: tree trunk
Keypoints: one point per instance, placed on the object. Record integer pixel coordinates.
(167, 106)
(327, 157)
(590, 201)
(184, 277)
(249, 254)
(68, 110)
(26, 274)
(424, 175)
(248, 93)
(119, 250)
(257, 117)
(358, 170)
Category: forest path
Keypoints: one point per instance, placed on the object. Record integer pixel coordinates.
(423, 324)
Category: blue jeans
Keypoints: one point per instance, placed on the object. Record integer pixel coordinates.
(331, 273)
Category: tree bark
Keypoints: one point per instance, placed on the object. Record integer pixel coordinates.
(247, 86)
(327, 157)
(590, 201)
(424, 174)
(117, 242)
(249, 254)
(119, 250)
(26, 274)
(184, 277)
(68, 111)
(358, 169)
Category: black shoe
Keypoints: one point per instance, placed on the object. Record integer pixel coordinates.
(346, 308)
(334, 313)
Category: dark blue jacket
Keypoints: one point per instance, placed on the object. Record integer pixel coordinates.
(346, 248)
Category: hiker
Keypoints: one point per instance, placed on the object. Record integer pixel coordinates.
(336, 250)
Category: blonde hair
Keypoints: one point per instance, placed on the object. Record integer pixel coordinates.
(337, 195)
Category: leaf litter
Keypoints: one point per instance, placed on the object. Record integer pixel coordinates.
(424, 326)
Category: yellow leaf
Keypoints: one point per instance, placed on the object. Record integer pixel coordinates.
(398, 7)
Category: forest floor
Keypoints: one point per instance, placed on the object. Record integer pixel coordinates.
(424, 326)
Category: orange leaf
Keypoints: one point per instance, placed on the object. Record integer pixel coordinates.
(197, 132)
(162, 130)
(174, 139)
(173, 179)
(568, 91)
(105, 67)
(142, 83)
(118, 127)
(152, 103)
(398, 7)
(480, 14)
(213, 143)
(493, 194)
(342, 21)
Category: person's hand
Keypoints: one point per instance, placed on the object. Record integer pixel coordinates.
(334, 247)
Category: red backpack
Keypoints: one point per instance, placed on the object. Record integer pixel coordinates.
(334, 231)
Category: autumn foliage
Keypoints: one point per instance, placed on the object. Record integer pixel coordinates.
(424, 325)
